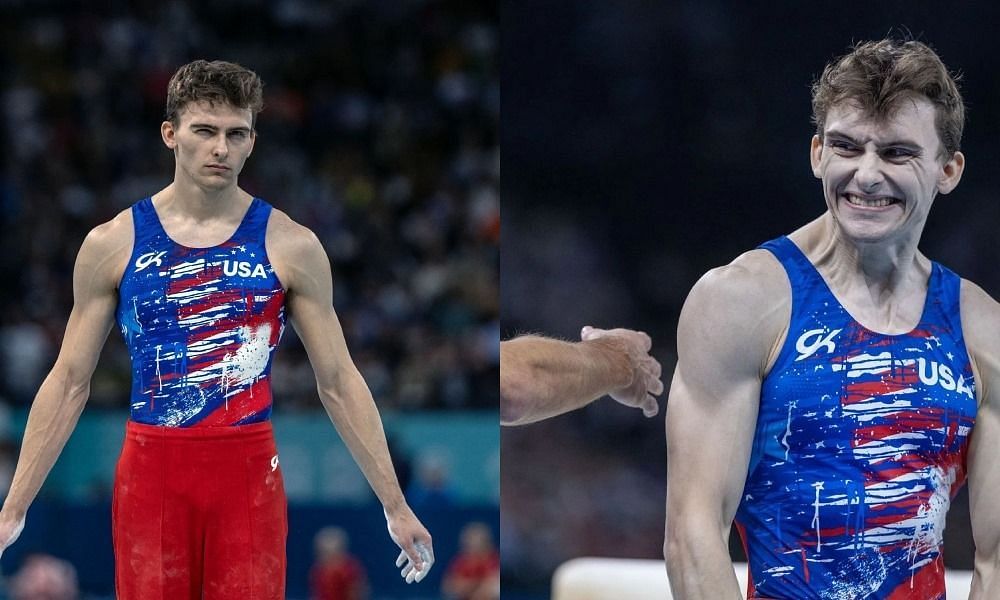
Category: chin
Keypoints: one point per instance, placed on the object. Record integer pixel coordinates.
(866, 232)
(216, 183)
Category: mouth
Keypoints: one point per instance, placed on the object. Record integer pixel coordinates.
(218, 168)
(870, 202)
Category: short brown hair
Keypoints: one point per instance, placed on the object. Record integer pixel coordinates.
(215, 81)
(877, 75)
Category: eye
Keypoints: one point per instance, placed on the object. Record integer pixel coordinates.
(238, 134)
(203, 131)
(842, 146)
(897, 153)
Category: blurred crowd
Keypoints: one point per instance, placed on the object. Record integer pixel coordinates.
(472, 574)
(379, 133)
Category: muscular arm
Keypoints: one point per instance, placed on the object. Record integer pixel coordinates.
(542, 377)
(729, 327)
(63, 393)
(981, 325)
(305, 271)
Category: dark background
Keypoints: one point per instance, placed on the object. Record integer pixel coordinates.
(645, 143)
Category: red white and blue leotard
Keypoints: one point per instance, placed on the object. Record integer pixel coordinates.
(860, 444)
(201, 324)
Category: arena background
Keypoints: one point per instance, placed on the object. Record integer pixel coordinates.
(380, 134)
(646, 143)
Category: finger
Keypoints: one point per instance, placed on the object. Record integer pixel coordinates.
(654, 366)
(406, 544)
(411, 575)
(421, 574)
(401, 559)
(591, 333)
(650, 408)
(645, 340)
(426, 551)
(655, 387)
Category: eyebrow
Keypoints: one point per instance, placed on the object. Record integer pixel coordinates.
(213, 127)
(846, 137)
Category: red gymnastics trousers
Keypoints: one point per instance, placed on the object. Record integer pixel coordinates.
(199, 513)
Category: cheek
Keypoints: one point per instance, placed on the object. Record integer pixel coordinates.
(834, 173)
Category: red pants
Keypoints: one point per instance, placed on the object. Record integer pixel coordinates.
(199, 513)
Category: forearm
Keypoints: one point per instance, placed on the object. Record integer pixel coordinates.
(542, 377)
(52, 418)
(350, 406)
(986, 577)
(698, 565)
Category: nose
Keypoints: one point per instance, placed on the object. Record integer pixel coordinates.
(221, 147)
(869, 175)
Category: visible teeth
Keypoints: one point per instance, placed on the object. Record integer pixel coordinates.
(869, 202)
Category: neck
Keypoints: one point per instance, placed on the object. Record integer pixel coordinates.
(883, 267)
(199, 203)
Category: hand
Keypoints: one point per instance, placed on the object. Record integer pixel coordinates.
(646, 370)
(414, 540)
(9, 531)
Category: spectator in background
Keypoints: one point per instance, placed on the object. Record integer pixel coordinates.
(432, 487)
(475, 573)
(44, 577)
(336, 574)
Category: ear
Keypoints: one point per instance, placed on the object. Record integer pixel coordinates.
(951, 173)
(816, 155)
(253, 139)
(169, 134)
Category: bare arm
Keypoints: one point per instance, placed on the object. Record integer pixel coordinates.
(729, 329)
(981, 325)
(542, 377)
(64, 392)
(305, 271)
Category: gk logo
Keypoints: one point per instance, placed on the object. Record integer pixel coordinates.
(149, 258)
(820, 339)
(274, 463)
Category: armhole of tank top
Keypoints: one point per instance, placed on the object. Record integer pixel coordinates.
(267, 255)
(785, 348)
(132, 254)
(950, 275)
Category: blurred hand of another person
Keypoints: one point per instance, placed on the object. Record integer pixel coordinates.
(646, 370)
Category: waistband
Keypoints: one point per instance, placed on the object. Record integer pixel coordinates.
(259, 430)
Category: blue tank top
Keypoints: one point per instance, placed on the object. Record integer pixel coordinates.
(860, 444)
(201, 324)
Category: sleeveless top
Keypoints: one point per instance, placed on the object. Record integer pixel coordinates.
(201, 324)
(860, 445)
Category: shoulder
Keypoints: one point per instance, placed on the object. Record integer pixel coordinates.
(106, 249)
(288, 238)
(295, 252)
(741, 309)
(980, 317)
(112, 234)
(753, 283)
(981, 328)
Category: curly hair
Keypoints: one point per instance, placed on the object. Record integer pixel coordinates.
(215, 81)
(877, 75)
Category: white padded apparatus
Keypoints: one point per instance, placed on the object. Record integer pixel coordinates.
(629, 579)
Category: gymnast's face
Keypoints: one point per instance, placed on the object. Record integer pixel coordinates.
(880, 176)
(211, 142)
